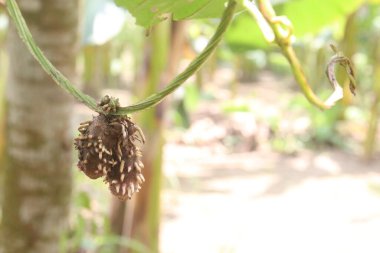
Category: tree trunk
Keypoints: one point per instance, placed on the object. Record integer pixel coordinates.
(146, 213)
(143, 211)
(37, 183)
(373, 121)
(3, 74)
(3, 70)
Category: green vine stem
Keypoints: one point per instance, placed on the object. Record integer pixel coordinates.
(58, 77)
(260, 20)
(152, 100)
(283, 32)
(191, 69)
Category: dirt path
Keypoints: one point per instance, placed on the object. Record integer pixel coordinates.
(262, 201)
(266, 202)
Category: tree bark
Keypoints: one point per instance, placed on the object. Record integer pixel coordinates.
(37, 183)
(373, 121)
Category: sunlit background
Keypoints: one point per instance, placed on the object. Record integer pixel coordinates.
(248, 164)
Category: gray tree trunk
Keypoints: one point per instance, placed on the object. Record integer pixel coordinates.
(37, 183)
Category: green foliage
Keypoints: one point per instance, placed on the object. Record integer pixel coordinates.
(186, 104)
(244, 34)
(90, 102)
(232, 106)
(192, 97)
(323, 127)
(89, 229)
(307, 17)
(278, 63)
(150, 12)
(286, 144)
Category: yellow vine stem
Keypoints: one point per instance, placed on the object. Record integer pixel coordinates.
(152, 100)
(283, 33)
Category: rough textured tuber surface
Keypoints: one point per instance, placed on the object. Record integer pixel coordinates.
(108, 148)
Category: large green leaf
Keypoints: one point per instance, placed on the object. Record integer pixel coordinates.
(244, 34)
(307, 17)
(149, 12)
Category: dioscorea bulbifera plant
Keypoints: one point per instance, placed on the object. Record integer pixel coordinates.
(108, 147)
(112, 133)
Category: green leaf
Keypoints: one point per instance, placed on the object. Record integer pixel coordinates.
(307, 17)
(150, 12)
(310, 16)
(244, 34)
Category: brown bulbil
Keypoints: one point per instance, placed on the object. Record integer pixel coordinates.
(107, 147)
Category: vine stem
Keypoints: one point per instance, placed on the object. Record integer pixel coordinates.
(260, 20)
(282, 30)
(150, 101)
(191, 69)
(58, 77)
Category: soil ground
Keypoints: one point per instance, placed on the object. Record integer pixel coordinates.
(268, 202)
(245, 197)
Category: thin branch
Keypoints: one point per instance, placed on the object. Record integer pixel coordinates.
(191, 69)
(57, 76)
(261, 22)
(283, 33)
(152, 100)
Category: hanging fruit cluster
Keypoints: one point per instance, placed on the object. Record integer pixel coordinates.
(108, 147)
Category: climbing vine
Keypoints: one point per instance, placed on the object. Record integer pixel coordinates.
(152, 100)
(107, 144)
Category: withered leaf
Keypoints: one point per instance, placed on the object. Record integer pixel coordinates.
(345, 62)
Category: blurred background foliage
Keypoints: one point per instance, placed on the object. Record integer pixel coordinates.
(117, 58)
